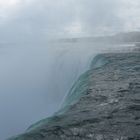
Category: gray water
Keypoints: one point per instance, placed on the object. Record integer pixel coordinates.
(35, 78)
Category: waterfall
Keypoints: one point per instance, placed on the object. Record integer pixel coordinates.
(35, 78)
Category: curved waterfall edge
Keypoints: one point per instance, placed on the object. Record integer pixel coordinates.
(78, 89)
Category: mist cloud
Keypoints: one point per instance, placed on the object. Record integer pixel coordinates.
(67, 18)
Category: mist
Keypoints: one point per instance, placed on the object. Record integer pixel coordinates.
(31, 20)
(36, 70)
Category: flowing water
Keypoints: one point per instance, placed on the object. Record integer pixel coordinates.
(35, 78)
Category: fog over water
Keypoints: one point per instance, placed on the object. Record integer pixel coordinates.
(35, 79)
(35, 74)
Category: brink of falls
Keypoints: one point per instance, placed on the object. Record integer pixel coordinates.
(36, 77)
(103, 104)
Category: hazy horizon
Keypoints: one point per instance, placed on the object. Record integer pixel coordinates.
(22, 20)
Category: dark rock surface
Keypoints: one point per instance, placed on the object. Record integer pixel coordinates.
(104, 104)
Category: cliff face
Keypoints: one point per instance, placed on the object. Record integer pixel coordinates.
(104, 104)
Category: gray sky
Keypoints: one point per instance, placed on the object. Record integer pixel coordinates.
(30, 19)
